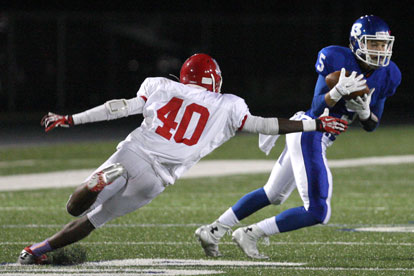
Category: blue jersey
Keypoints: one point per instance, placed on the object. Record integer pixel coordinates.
(385, 80)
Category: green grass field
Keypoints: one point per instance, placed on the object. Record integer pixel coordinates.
(370, 196)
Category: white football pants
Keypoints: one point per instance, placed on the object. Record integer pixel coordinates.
(126, 194)
(303, 165)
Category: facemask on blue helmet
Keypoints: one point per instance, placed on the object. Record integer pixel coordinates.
(371, 41)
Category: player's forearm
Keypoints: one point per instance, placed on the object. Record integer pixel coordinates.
(111, 110)
(332, 97)
(329, 101)
(95, 114)
(273, 126)
(289, 126)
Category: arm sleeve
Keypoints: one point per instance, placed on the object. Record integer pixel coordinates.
(318, 102)
(378, 108)
(376, 112)
(104, 112)
(256, 124)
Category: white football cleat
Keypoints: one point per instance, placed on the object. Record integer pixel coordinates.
(246, 238)
(26, 257)
(105, 177)
(209, 237)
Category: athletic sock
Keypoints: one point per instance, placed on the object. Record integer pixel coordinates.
(250, 203)
(228, 218)
(268, 226)
(41, 248)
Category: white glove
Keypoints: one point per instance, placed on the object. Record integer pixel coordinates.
(361, 105)
(347, 85)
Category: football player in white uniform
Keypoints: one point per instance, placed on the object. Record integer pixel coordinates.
(183, 121)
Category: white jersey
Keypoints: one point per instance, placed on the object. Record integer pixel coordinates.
(182, 124)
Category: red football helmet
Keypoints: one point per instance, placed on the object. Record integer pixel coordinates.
(202, 70)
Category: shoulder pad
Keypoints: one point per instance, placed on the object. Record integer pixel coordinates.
(331, 59)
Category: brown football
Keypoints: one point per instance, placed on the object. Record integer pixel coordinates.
(332, 80)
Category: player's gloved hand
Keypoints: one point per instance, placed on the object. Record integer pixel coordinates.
(361, 105)
(326, 123)
(52, 120)
(347, 85)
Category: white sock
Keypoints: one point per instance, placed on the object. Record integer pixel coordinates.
(228, 218)
(268, 226)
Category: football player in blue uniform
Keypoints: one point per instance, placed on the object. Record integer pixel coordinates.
(303, 163)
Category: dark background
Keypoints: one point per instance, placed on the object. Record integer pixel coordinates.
(67, 59)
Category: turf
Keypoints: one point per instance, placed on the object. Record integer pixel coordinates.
(365, 196)
(355, 143)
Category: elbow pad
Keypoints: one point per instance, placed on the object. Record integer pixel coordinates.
(371, 123)
(117, 108)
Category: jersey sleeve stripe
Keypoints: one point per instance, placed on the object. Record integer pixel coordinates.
(244, 121)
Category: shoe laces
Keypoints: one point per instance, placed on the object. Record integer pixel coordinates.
(229, 232)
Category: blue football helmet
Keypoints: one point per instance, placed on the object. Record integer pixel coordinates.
(371, 41)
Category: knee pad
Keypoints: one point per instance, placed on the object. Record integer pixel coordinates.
(278, 200)
(274, 198)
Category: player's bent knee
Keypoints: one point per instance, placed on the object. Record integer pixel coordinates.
(73, 210)
(276, 200)
(276, 197)
(320, 213)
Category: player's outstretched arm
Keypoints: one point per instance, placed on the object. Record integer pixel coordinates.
(323, 124)
(111, 110)
(274, 126)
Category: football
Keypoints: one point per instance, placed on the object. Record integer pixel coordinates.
(332, 80)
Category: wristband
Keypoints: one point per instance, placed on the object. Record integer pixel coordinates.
(335, 95)
(371, 123)
(70, 120)
(309, 125)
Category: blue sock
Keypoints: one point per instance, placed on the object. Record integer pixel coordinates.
(295, 218)
(250, 203)
(41, 248)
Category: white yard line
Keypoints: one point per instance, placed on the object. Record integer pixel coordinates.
(345, 269)
(153, 243)
(207, 168)
(35, 271)
(134, 265)
(107, 271)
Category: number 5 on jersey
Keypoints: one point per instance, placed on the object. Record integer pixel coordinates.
(321, 66)
(167, 115)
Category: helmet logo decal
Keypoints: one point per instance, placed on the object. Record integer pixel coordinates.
(206, 80)
(356, 29)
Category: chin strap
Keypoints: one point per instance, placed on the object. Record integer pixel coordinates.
(174, 76)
